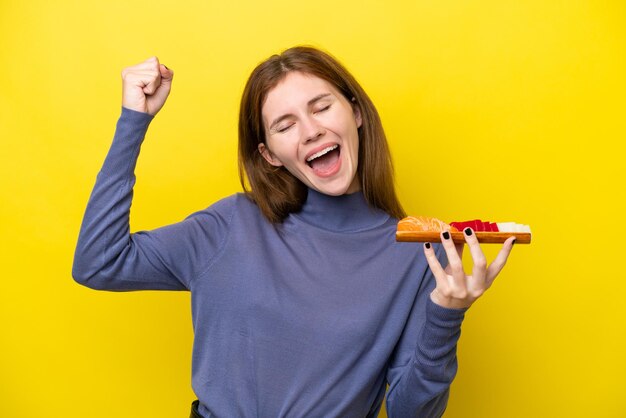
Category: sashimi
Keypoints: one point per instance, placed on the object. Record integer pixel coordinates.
(427, 229)
(423, 223)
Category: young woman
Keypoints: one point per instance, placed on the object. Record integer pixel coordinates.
(303, 303)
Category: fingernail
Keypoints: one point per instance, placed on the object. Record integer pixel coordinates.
(468, 231)
(446, 235)
(427, 245)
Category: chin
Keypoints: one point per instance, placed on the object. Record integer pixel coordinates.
(334, 190)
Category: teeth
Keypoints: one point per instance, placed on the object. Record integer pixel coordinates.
(320, 153)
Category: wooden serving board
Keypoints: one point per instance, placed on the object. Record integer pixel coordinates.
(459, 237)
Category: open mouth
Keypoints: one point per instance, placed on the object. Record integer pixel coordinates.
(324, 160)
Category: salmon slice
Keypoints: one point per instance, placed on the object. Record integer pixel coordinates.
(424, 223)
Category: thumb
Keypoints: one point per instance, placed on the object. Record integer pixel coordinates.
(162, 92)
(166, 74)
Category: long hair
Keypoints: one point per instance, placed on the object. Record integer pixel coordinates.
(276, 191)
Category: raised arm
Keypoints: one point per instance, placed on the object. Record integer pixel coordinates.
(107, 255)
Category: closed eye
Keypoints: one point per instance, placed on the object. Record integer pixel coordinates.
(284, 129)
(324, 109)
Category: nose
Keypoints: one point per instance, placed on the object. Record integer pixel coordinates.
(311, 129)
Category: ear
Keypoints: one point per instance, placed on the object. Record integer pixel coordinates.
(357, 113)
(269, 157)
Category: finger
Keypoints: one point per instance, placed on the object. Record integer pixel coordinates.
(151, 66)
(459, 250)
(166, 83)
(166, 74)
(163, 91)
(153, 84)
(139, 78)
(498, 263)
(455, 264)
(479, 268)
(153, 58)
(151, 63)
(435, 266)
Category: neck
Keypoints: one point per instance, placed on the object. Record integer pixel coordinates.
(345, 213)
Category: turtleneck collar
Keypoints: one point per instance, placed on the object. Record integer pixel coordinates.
(345, 213)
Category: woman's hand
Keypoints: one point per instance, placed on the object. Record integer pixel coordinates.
(145, 86)
(454, 288)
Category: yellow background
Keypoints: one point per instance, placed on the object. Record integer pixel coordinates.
(503, 110)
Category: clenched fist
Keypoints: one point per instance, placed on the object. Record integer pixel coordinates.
(145, 86)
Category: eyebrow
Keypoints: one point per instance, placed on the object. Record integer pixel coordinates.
(309, 103)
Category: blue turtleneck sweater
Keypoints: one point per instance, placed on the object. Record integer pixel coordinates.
(312, 317)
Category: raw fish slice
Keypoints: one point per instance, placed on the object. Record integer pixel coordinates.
(423, 223)
(427, 229)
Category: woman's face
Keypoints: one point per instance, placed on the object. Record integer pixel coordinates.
(311, 130)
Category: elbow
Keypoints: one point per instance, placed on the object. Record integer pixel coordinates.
(96, 278)
(90, 281)
(86, 269)
(82, 277)
(80, 268)
(85, 276)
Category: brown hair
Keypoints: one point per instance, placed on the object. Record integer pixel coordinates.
(276, 191)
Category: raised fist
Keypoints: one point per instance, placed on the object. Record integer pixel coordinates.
(145, 86)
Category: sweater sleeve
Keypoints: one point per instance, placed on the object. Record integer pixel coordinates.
(109, 257)
(424, 362)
